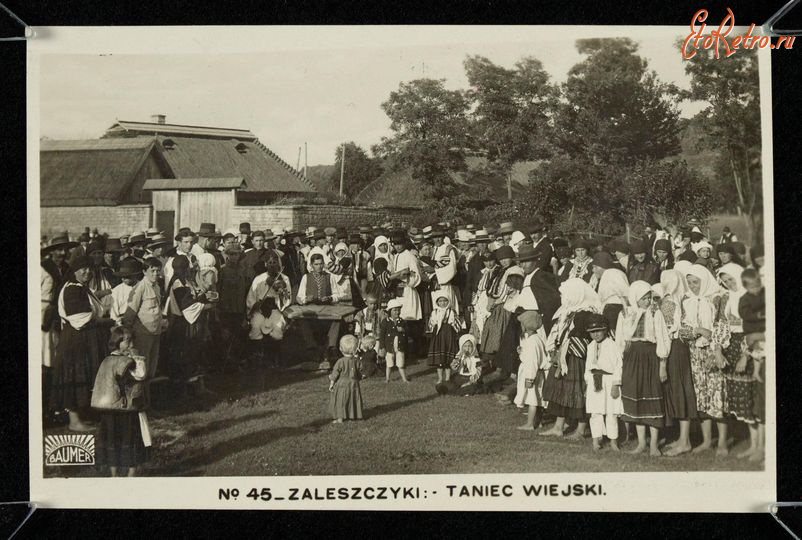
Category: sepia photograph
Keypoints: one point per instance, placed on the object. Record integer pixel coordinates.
(520, 253)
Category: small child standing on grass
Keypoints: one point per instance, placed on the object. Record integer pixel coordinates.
(444, 328)
(120, 395)
(346, 395)
(367, 353)
(603, 377)
(393, 340)
(532, 371)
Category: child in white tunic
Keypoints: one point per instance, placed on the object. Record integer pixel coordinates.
(603, 377)
(531, 372)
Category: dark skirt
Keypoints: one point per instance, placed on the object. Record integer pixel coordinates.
(443, 347)
(680, 397)
(494, 328)
(75, 365)
(641, 390)
(566, 395)
(346, 400)
(507, 357)
(184, 345)
(119, 440)
(739, 399)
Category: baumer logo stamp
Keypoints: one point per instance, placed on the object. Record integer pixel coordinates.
(69, 450)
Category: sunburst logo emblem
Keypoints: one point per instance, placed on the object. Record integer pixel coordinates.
(69, 450)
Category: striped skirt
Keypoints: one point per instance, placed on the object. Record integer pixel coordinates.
(641, 389)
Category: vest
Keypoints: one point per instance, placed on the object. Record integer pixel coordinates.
(312, 291)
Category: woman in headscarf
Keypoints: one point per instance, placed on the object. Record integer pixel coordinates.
(82, 344)
(581, 264)
(498, 290)
(728, 338)
(185, 304)
(489, 273)
(641, 266)
(647, 348)
(614, 294)
(378, 269)
(567, 343)
(663, 256)
(699, 315)
(680, 397)
(517, 240)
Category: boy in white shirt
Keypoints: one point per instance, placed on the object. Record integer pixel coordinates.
(603, 377)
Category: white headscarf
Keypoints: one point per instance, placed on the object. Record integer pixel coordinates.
(577, 295)
(673, 284)
(699, 308)
(734, 297)
(379, 240)
(613, 287)
(683, 267)
(441, 315)
(701, 245)
(637, 290)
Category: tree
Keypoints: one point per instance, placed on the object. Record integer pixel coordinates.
(360, 170)
(511, 109)
(616, 110)
(430, 132)
(731, 121)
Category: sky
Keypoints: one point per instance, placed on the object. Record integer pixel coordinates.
(291, 97)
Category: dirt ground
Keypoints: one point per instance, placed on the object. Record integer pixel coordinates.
(276, 422)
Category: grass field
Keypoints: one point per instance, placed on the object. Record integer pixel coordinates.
(277, 423)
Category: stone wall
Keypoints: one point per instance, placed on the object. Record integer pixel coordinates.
(301, 216)
(115, 220)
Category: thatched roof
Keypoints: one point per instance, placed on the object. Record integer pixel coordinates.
(90, 172)
(192, 183)
(262, 170)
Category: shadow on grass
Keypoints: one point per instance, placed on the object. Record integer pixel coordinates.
(226, 423)
(195, 464)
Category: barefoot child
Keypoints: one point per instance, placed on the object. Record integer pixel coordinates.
(644, 370)
(752, 310)
(531, 372)
(346, 396)
(603, 377)
(393, 340)
(444, 327)
(120, 396)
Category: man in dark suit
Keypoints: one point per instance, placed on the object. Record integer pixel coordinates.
(544, 284)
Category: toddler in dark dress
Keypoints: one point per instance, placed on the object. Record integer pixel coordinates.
(346, 395)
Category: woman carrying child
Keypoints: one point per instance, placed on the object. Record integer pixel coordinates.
(119, 394)
(346, 395)
(752, 310)
(444, 328)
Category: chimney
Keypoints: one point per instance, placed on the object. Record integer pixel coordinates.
(158, 118)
